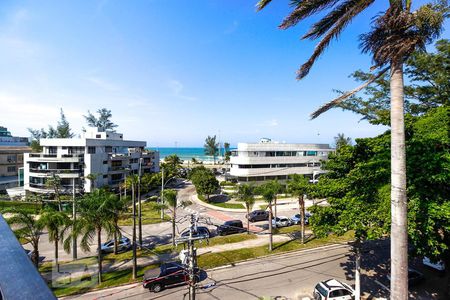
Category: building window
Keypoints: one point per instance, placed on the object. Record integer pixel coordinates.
(311, 153)
(12, 169)
(105, 176)
(97, 136)
(52, 150)
(108, 149)
(11, 158)
(91, 150)
(105, 162)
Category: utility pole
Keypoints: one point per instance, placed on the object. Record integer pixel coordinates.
(139, 200)
(162, 192)
(134, 233)
(192, 260)
(74, 219)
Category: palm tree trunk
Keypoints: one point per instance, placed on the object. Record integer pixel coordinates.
(248, 221)
(173, 226)
(99, 254)
(399, 237)
(35, 256)
(270, 227)
(275, 204)
(115, 241)
(301, 202)
(56, 255)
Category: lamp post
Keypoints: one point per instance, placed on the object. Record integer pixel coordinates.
(139, 203)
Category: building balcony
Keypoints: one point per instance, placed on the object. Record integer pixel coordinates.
(272, 171)
(55, 171)
(40, 157)
(42, 188)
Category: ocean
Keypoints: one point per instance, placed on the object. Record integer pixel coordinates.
(185, 153)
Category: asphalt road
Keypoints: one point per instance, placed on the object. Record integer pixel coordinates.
(291, 275)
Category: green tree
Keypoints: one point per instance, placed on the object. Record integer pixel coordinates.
(227, 151)
(246, 194)
(204, 181)
(428, 87)
(117, 208)
(54, 183)
(170, 198)
(211, 147)
(103, 120)
(172, 166)
(340, 140)
(62, 131)
(95, 216)
(298, 185)
(394, 35)
(56, 222)
(28, 228)
(269, 191)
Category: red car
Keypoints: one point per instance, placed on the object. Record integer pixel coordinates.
(168, 274)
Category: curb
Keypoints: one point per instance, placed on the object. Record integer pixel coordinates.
(195, 199)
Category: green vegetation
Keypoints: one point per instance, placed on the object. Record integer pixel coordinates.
(228, 205)
(212, 260)
(103, 120)
(29, 207)
(228, 183)
(204, 181)
(211, 147)
(150, 215)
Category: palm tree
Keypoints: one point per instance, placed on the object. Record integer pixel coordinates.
(54, 182)
(298, 186)
(269, 191)
(246, 194)
(340, 140)
(117, 208)
(211, 147)
(170, 198)
(91, 177)
(29, 228)
(56, 222)
(395, 34)
(95, 216)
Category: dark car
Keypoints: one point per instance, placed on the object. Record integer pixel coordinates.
(166, 275)
(258, 215)
(230, 227)
(201, 231)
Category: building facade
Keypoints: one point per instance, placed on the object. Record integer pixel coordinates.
(269, 160)
(12, 150)
(99, 158)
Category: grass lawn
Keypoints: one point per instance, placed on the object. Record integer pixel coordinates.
(228, 205)
(212, 260)
(289, 229)
(30, 207)
(205, 261)
(150, 215)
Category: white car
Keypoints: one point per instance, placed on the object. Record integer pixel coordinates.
(123, 245)
(296, 219)
(333, 289)
(281, 222)
(439, 265)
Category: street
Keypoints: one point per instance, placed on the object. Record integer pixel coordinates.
(291, 275)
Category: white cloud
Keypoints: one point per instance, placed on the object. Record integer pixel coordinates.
(176, 87)
(103, 84)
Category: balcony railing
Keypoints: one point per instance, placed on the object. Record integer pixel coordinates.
(54, 155)
(55, 171)
(19, 278)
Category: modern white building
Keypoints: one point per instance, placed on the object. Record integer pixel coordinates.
(269, 160)
(104, 154)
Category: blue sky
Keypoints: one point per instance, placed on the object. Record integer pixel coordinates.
(174, 71)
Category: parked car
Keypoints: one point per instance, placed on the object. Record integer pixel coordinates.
(333, 289)
(167, 274)
(296, 219)
(123, 245)
(258, 215)
(201, 231)
(281, 221)
(230, 227)
(438, 265)
(414, 277)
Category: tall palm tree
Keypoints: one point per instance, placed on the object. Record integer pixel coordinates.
(269, 191)
(95, 216)
(28, 228)
(395, 34)
(56, 222)
(117, 208)
(211, 147)
(341, 140)
(298, 186)
(170, 198)
(246, 194)
(54, 182)
(91, 177)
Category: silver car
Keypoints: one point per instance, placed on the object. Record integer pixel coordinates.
(124, 244)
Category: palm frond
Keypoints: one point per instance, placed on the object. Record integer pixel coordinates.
(305, 9)
(261, 4)
(346, 95)
(350, 7)
(329, 36)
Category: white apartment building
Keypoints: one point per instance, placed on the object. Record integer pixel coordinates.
(104, 154)
(269, 160)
